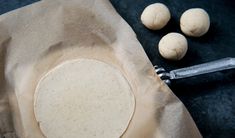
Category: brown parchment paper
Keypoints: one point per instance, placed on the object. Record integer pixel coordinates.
(36, 38)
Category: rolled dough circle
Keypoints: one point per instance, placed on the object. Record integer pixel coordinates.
(83, 98)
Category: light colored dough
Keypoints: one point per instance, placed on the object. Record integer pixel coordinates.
(155, 16)
(84, 98)
(195, 22)
(173, 46)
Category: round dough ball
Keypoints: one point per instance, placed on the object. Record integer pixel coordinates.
(74, 100)
(195, 22)
(173, 46)
(155, 16)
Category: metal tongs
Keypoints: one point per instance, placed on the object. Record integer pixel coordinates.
(209, 67)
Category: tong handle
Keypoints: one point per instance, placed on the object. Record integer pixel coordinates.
(209, 67)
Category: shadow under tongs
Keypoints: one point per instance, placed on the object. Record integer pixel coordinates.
(195, 85)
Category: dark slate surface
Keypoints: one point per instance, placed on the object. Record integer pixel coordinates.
(8, 5)
(210, 98)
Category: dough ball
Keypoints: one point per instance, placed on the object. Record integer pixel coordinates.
(173, 46)
(155, 16)
(195, 22)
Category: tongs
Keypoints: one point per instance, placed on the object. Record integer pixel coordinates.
(209, 67)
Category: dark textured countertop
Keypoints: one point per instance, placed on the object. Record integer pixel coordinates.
(209, 98)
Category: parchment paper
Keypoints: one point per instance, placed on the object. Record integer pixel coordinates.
(36, 38)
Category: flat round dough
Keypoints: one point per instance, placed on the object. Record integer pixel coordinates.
(84, 98)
